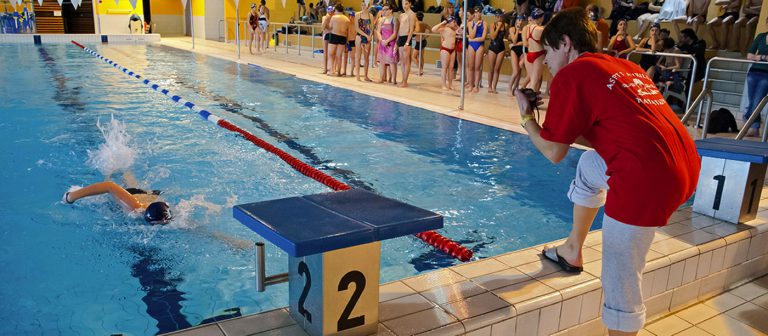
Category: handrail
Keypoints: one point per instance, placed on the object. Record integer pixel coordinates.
(751, 120)
(705, 92)
(706, 78)
(691, 78)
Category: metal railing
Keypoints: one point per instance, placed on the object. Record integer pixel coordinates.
(219, 26)
(691, 78)
(708, 91)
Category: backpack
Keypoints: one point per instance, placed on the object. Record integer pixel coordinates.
(722, 120)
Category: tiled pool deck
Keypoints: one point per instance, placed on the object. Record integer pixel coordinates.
(696, 281)
(692, 263)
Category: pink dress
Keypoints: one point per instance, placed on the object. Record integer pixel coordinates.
(388, 52)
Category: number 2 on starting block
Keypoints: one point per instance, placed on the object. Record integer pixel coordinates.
(336, 292)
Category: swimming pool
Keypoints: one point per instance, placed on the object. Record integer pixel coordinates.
(88, 269)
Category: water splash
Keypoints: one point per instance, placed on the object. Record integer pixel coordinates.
(115, 154)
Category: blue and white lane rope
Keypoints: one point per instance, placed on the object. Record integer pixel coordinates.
(432, 238)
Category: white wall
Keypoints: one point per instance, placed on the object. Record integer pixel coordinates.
(168, 24)
(214, 11)
(115, 23)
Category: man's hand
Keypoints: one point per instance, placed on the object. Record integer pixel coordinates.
(527, 99)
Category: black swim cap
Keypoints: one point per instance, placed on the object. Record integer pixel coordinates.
(158, 213)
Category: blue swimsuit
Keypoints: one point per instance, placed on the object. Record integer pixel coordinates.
(478, 33)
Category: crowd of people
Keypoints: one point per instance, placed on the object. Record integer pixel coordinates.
(398, 42)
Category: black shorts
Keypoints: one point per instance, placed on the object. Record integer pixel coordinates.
(351, 43)
(418, 45)
(337, 39)
(327, 37)
(401, 41)
(726, 15)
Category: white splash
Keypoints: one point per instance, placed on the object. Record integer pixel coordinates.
(115, 154)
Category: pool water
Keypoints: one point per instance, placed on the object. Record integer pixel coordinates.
(90, 269)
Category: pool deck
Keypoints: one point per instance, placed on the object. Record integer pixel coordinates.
(703, 276)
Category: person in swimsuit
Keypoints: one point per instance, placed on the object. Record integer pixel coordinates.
(419, 42)
(645, 20)
(447, 30)
(326, 26)
(146, 202)
(363, 40)
(264, 24)
(476, 37)
(406, 27)
(534, 60)
(621, 44)
(349, 51)
(496, 51)
(515, 38)
(253, 22)
(386, 35)
(339, 25)
(697, 14)
(723, 22)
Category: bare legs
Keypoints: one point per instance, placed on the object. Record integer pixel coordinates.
(446, 72)
(325, 56)
(405, 63)
(494, 61)
(582, 221)
(719, 42)
(474, 67)
(514, 80)
(363, 50)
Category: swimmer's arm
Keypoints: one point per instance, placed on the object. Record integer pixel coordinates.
(437, 28)
(117, 192)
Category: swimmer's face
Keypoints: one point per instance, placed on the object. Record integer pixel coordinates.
(654, 31)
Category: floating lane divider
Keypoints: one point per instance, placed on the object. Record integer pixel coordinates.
(432, 238)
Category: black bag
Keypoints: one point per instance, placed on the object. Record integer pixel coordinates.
(721, 120)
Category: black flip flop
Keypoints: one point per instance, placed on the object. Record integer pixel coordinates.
(564, 264)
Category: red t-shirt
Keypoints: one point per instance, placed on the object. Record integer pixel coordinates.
(652, 161)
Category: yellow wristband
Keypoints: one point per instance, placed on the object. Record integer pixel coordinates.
(526, 119)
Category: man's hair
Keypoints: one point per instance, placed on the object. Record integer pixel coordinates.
(664, 31)
(574, 23)
(263, 2)
(689, 33)
(667, 43)
(339, 7)
(420, 16)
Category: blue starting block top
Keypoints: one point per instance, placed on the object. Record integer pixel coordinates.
(731, 149)
(324, 222)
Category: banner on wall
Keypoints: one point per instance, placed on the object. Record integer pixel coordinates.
(40, 2)
(76, 3)
(184, 5)
(117, 2)
(283, 1)
(60, 2)
(133, 4)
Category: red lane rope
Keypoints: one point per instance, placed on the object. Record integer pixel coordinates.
(432, 238)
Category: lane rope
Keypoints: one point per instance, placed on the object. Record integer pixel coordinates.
(431, 237)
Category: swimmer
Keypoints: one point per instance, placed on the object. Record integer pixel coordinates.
(155, 210)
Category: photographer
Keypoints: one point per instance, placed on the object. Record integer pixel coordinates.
(643, 166)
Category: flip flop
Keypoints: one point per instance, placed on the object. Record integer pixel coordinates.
(553, 256)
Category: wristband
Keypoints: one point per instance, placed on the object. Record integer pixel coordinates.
(526, 119)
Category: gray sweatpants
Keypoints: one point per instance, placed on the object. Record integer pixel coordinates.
(624, 249)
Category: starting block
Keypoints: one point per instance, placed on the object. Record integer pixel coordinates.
(333, 243)
(731, 178)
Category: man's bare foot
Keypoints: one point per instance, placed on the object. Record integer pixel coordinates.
(403, 85)
(475, 90)
(368, 79)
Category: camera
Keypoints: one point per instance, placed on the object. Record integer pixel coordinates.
(530, 95)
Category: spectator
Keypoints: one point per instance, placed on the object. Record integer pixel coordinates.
(690, 44)
(611, 109)
(757, 79)
(621, 44)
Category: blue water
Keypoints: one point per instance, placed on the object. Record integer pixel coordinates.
(89, 269)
